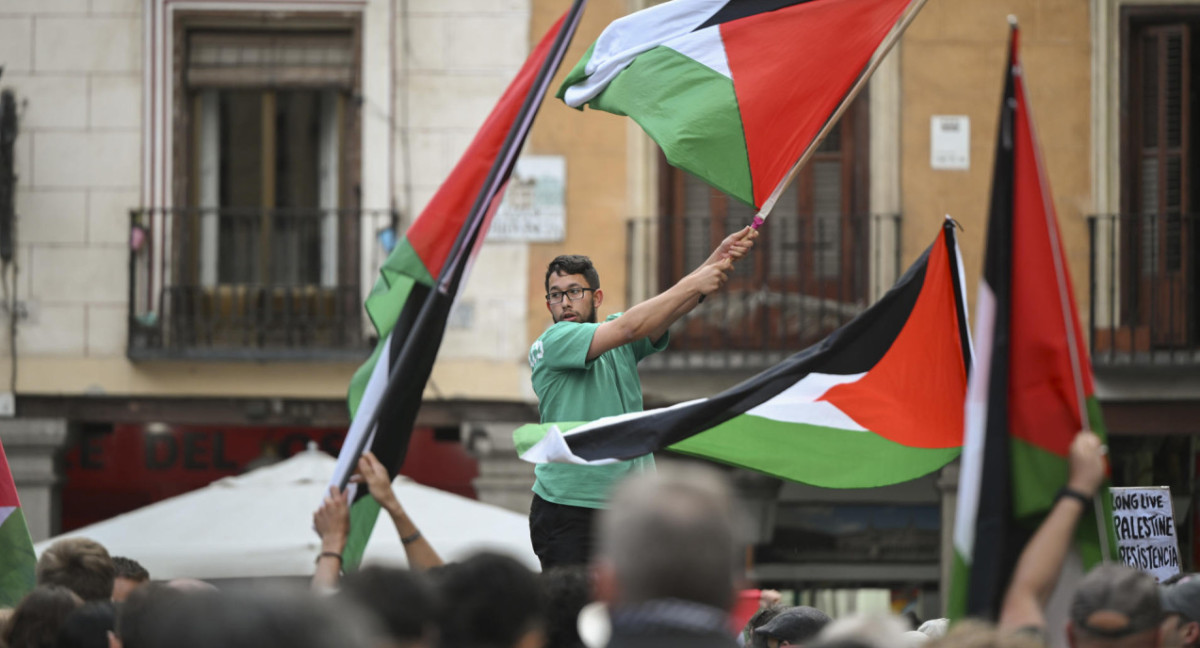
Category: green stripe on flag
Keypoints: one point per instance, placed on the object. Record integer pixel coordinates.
(812, 454)
(821, 456)
(960, 581)
(577, 73)
(17, 560)
(363, 514)
(692, 112)
(402, 270)
(1037, 476)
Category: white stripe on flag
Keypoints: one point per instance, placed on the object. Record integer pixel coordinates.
(799, 404)
(962, 290)
(705, 47)
(553, 447)
(366, 406)
(970, 474)
(6, 511)
(627, 37)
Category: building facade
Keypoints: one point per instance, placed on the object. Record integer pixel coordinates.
(205, 190)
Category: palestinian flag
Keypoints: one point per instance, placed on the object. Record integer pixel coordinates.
(419, 281)
(877, 402)
(1031, 390)
(734, 91)
(17, 559)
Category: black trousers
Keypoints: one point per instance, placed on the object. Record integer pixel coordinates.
(561, 534)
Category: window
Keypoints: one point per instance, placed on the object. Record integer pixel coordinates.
(259, 256)
(1158, 266)
(807, 276)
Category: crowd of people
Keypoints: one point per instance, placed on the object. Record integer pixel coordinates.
(665, 572)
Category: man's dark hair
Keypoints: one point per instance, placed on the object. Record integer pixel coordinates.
(569, 264)
(87, 626)
(251, 619)
(36, 620)
(403, 601)
(130, 569)
(493, 600)
(566, 589)
(136, 614)
(79, 564)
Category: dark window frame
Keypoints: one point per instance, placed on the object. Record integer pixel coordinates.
(184, 190)
(849, 284)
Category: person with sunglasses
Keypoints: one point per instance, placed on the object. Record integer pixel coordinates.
(583, 370)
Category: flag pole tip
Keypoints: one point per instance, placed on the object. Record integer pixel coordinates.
(1012, 20)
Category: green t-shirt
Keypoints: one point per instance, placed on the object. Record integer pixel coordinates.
(569, 388)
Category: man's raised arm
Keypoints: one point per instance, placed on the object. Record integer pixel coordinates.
(652, 318)
(1041, 561)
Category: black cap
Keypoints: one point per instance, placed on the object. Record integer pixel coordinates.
(794, 625)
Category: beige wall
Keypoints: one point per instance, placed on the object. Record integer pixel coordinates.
(77, 67)
(76, 72)
(595, 147)
(953, 64)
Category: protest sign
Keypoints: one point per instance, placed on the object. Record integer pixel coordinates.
(1145, 524)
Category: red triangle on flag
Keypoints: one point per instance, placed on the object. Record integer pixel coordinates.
(792, 68)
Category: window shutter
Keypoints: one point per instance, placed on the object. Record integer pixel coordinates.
(265, 59)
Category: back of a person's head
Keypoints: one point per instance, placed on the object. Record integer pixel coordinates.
(136, 613)
(37, 618)
(671, 535)
(403, 602)
(972, 633)
(863, 631)
(1115, 606)
(88, 626)
(566, 589)
(79, 564)
(757, 620)
(130, 569)
(253, 619)
(490, 601)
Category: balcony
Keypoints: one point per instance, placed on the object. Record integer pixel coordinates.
(248, 284)
(805, 278)
(1144, 290)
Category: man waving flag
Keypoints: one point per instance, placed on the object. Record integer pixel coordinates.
(736, 92)
(877, 402)
(411, 301)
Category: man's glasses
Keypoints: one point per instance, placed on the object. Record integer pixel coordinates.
(556, 296)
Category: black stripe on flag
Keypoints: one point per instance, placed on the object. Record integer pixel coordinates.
(738, 9)
(997, 541)
(419, 330)
(854, 348)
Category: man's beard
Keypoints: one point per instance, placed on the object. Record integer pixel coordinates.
(590, 319)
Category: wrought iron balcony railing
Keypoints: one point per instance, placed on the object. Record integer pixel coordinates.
(255, 284)
(1144, 289)
(805, 278)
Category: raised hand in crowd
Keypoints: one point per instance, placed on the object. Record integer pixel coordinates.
(420, 554)
(1042, 559)
(332, 522)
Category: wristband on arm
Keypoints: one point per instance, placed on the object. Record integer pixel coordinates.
(1072, 494)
